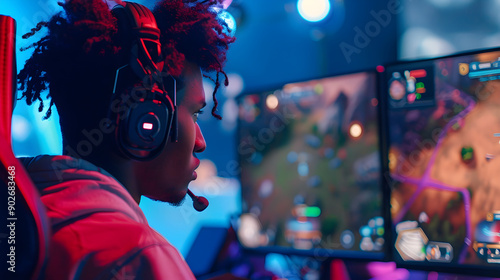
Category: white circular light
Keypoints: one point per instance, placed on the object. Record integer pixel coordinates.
(272, 102)
(21, 128)
(356, 130)
(230, 113)
(313, 10)
(208, 87)
(235, 86)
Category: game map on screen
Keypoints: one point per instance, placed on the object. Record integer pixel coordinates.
(311, 166)
(444, 159)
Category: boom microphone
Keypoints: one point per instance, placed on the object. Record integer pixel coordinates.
(199, 202)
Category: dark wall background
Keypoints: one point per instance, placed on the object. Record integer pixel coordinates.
(275, 45)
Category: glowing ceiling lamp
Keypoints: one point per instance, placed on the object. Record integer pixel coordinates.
(313, 10)
(230, 21)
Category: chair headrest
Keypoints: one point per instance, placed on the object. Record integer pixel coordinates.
(8, 73)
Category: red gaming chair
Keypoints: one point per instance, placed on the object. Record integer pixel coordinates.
(24, 229)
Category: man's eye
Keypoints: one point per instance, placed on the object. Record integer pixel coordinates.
(195, 115)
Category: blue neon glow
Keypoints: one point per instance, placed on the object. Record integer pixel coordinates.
(303, 169)
(313, 10)
(230, 21)
(365, 231)
(488, 232)
(483, 73)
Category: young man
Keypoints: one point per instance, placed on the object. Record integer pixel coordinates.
(92, 192)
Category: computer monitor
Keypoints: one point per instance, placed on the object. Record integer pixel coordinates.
(443, 119)
(311, 168)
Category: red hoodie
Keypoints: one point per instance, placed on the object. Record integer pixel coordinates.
(98, 230)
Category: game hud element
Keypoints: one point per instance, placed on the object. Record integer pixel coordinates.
(311, 166)
(444, 120)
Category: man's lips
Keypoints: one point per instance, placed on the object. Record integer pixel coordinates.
(197, 161)
(195, 175)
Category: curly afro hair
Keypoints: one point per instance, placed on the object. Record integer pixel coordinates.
(192, 30)
(78, 57)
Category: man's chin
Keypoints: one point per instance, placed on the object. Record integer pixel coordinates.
(177, 202)
(172, 200)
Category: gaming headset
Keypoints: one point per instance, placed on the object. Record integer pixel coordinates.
(145, 125)
(145, 113)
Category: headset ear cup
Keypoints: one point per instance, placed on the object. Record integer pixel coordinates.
(145, 129)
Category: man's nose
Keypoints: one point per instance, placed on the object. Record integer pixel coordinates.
(199, 144)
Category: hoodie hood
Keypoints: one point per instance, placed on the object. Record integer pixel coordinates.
(74, 188)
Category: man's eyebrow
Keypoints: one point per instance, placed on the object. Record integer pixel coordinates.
(203, 104)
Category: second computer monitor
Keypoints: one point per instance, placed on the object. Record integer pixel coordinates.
(311, 168)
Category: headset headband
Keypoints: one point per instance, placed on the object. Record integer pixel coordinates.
(143, 128)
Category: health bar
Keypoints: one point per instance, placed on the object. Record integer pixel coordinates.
(478, 74)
